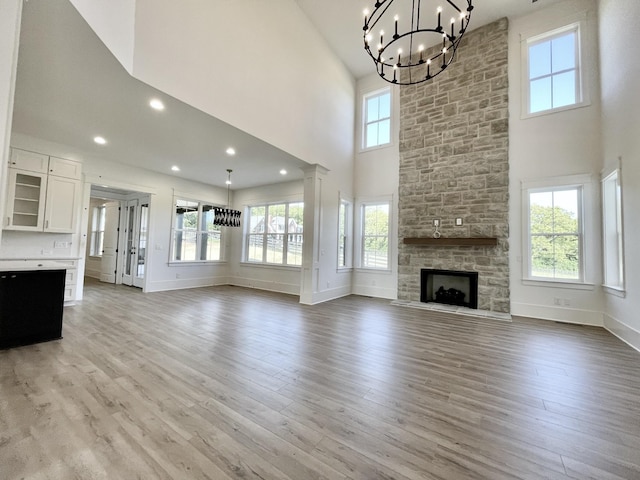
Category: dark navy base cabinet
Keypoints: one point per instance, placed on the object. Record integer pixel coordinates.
(31, 304)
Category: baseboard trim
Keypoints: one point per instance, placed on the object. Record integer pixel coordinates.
(558, 314)
(624, 332)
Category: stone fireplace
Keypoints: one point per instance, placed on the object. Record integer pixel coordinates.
(454, 167)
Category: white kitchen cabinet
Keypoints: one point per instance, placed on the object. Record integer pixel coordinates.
(42, 201)
(26, 194)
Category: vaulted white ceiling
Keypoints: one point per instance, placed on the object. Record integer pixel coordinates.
(70, 89)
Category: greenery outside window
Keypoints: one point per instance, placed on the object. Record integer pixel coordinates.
(97, 231)
(377, 119)
(195, 237)
(274, 234)
(555, 234)
(374, 250)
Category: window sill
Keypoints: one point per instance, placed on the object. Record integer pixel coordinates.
(558, 284)
(374, 270)
(195, 263)
(616, 291)
(270, 265)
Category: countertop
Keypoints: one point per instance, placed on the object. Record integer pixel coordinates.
(23, 265)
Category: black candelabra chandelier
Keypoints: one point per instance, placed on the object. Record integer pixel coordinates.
(227, 217)
(407, 48)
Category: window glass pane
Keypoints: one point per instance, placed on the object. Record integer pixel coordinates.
(384, 132)
(375, 241)
(210, 246)
(612, 231)
(385, 105)
(257, 222)
(186, 215)
(564, 89)
(540, 95)
(373, 107)
(539, 59)
(564, 52)
(255, 248)
(372, 135)
(275, 248)
(566, 258)
(184, 246)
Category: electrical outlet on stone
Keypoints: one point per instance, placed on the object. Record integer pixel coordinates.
(436, 222)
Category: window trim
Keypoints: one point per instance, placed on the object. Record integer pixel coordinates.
(585, 183)
(363, 123)
(246, 235)
(607, 174)
(582, 90)
(359, 245)
(172, 261)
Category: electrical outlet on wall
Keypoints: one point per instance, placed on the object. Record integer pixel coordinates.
(459, 222)
(436, 222)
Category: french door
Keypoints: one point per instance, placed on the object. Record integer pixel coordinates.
(136, 221)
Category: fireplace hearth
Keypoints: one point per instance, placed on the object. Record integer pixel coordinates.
(449, 287)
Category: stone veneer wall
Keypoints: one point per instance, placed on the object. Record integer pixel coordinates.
(454, 163)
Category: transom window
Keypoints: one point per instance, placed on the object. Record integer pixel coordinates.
(195, 237)
(377, 119)
(554, 79)
(274, 234)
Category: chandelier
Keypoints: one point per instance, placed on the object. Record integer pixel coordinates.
(227, 217)
(412, 41)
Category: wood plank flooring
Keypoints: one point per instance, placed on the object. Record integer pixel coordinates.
(231, 383)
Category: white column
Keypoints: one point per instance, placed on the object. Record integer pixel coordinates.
(10, 14)
(314, 177)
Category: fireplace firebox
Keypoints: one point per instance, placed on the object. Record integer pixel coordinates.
(449, 287)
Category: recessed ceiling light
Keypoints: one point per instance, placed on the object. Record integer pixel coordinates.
(175, 168)
(99, 140)
(231, 151)
(156, 104)
(283, 172)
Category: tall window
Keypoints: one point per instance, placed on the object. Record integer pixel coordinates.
(345, 243)
(97, 231)
(612, 231)
(555, 233)
(375, 236)
(195, 237)
(377, 118)
(274, 234)
(554, 79)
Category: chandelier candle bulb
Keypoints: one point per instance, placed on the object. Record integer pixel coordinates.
(399, 56)
(366, 13)
(439, 18)
(421, 50)
(453, 22)
(428, 68)
(395, 35)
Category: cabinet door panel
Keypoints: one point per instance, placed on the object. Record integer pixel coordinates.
(25, 200)
(34, 162)
(61, 167)
(62, 202)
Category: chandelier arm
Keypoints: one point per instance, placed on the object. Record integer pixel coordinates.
(378, 18)
(455, 6)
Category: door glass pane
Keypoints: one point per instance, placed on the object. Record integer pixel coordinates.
(142, 239)
(130, 240)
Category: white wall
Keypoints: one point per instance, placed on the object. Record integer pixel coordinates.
(260, 66)
(9, 38)
(377, 176)
(620, 71)
(558, 144)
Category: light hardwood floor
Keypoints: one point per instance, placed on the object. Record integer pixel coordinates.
(227, 382)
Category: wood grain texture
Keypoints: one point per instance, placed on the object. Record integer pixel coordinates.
(231, 383)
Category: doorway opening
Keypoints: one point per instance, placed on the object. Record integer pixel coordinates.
(117, 236)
